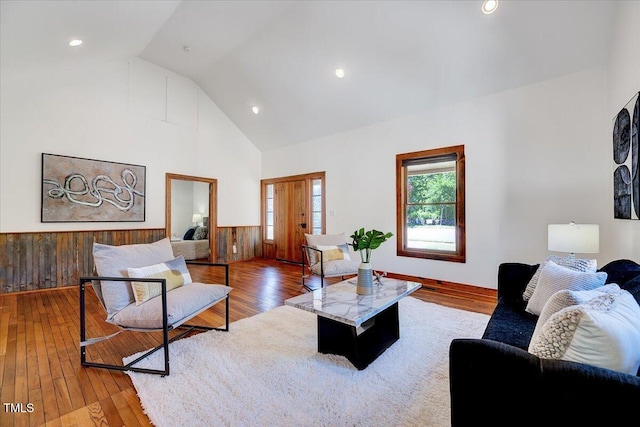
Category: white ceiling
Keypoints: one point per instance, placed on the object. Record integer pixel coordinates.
(400, 57)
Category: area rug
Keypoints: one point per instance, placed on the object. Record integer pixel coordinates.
(266, 371)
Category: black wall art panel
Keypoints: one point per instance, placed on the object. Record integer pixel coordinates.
(626, 176)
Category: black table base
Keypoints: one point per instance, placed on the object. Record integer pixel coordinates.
(360, 345)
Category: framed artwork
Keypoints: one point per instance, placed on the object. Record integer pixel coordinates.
(84, 190)
(626, 158)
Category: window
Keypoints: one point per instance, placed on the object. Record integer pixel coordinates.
(268, 212)
(430, 204)
(316, 206)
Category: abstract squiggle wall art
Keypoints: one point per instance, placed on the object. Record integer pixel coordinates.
(626, 157)
(75, 189)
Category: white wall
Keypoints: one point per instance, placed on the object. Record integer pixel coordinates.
(95, 112)
(534, 156)
(623, 83)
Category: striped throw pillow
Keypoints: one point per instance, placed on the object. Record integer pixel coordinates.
(175, 272)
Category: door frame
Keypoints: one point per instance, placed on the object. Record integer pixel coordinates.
(268, 245)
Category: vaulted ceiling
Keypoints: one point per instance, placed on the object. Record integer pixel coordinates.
(399, 57)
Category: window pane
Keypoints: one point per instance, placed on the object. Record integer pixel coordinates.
(317, 203)
(317, 220)
(431, 227)
(317, 187)
(270, 190)
(269, 205)
(269, 218)
(269, 232)
(431, 187)
(317, 230)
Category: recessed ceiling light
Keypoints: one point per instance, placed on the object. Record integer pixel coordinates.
(255, 109)
(339, 73)
(489, 6)
(188, 49)
(76, 42)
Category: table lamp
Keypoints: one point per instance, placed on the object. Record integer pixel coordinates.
(574, 238)
(196, 219)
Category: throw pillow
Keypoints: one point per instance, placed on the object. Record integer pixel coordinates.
(604, 332)
(334, 252)
(113, 261)
(577, 264)
(200, 233)
(554, 278)
(175, 272)
(188, 235)
(566, 298)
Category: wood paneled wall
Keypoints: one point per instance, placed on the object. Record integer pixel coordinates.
(247, 239)
(31, 261)
(44, 260)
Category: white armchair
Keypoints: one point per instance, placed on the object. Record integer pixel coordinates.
(327, 255)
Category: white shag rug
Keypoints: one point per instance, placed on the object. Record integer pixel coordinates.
(266, 371)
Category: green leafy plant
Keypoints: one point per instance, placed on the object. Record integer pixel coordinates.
(366, 241)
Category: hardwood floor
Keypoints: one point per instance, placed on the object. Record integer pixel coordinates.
(43, 383)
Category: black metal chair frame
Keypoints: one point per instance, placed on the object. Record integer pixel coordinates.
(165, 324)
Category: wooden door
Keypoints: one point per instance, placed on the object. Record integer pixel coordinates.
(290, 219)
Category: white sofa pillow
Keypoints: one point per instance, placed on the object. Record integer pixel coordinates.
(577, 264)
(566, 298)
(554, 278)
(604, 332)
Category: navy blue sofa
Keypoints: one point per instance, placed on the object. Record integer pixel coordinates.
(495, 381)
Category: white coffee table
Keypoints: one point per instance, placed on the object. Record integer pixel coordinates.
(359, 327)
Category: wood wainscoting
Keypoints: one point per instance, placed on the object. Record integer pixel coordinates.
(247, 241)
(46, 260)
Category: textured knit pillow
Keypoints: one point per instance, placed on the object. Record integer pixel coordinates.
(566, 298)
(604, 332)
(334, 252)
(554, 278)
(577, 264)
(175, 272)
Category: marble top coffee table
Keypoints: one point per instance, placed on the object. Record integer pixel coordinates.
(359, 327)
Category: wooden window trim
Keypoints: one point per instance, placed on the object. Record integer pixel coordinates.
(401, 250)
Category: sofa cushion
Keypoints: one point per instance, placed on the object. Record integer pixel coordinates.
(554, 278)
(577, 264)
(113, 261)
(182, 303)
(340, 267)
(621, 271)
(510, 324)
(604, 332)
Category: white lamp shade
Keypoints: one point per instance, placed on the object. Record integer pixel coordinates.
(574, 238)
(196, 218)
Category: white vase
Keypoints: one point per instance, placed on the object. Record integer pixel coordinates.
(365, 279)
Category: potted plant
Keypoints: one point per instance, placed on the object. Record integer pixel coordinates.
(365, 242)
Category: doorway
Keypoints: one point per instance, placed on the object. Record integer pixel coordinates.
(191, 203)
(291, 207)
